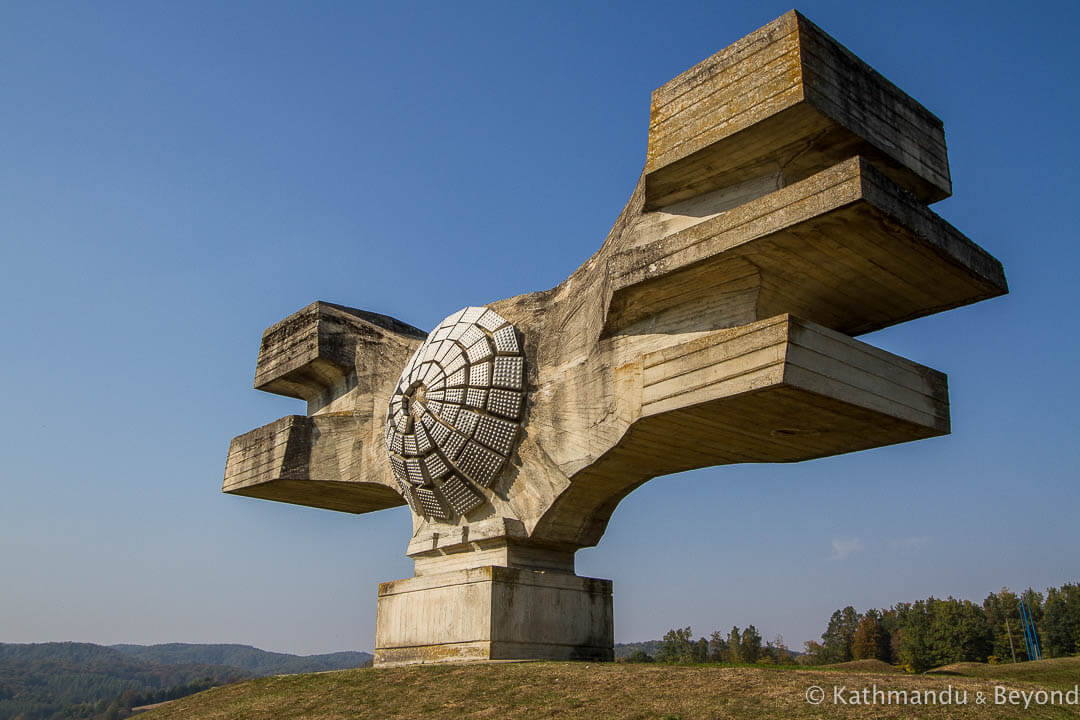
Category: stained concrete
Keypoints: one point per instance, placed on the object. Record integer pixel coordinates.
(494, 613)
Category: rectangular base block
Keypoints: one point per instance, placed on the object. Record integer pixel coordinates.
(493, 613)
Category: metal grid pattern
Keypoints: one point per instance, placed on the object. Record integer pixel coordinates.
(471, 314)
(506, 341)
(480, 375)
(461, 496)
(439, 433)
(497, 434)
(466, 422)
(423, 440)
(444, 351)
(448, 429)
(429, 503)
(407, 493)
(397, 445)
(479, 464)
(435, 466)
(479, 351)
(398, 466)
(415, 473)
(454, 363)
(458, 379)
(490, 320)
(476, 398)
(471, 335)
(450, 413)
(453, 444)
(506, 403)
(508, 372)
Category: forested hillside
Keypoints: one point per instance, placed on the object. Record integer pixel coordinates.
(81, 680)
(255, 661)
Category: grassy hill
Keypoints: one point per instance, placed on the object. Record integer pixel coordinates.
(1057, 673)
(516, 691)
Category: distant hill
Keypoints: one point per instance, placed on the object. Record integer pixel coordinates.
(39, 680)
(649, 647)
(83, 680)
(254, 660)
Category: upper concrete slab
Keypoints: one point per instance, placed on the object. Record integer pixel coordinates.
(305, 354)
(787, 98)
(846, 248)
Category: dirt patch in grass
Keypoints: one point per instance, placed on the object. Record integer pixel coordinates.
(873, 666)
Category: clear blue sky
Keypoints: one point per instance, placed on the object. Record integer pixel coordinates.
(175, 177)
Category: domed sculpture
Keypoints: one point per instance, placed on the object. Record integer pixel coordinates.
(454, 418)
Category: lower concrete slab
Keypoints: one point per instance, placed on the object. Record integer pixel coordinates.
(494, 613)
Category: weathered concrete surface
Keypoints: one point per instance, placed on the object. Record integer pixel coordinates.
(306, 461)
(493, 613)
(782, 210)
(789, 99)
(344, 362)
(845, 247)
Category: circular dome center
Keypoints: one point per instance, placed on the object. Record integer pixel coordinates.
(414, 399)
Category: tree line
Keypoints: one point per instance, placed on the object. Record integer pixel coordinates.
(934, 632)
(735, 646)
(919, 636)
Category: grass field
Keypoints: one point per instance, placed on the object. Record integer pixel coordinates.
(617, 691)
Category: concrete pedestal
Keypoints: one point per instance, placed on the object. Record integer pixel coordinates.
(493, 613)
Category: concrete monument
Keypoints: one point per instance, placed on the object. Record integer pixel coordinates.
(781, 212)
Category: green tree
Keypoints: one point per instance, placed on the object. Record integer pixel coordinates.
(734, 640)
(701, 651)
(838, 636)
(718, 647)
(959, 631)
(914, 635)
(813, 653)
(750, 647)
(870, 640)
(1003, 615)
(778, 650)
(890, 624)
(1060, 627)
(676, 646)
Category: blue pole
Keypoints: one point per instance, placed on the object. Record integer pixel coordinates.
(1035, 636)
(1030, 637)
(1023, 624)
